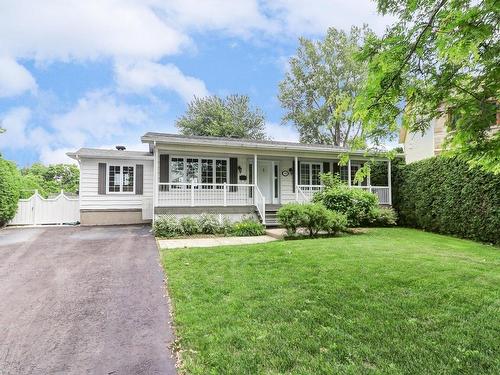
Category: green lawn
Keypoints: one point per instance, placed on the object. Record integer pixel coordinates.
(390, 301)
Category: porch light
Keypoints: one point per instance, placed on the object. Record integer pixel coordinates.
(239, 168)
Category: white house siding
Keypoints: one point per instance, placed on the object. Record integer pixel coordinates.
(91, 200)
(287, 193)
(418, 146)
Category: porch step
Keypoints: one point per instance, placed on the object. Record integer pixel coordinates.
(271, 215)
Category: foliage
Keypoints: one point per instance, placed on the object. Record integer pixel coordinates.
(335, 222)
(189, 226)
(290, 215)
(9, 190)
(319, 90)
(229, 117)
(314, 218)
(383, 217)
(363, 304)
(248, 227)
(49, 179)
(440, 59)
(356, 204)
(445, 195)
(167, 226)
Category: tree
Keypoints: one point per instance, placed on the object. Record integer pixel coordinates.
(319, 90)
(9, 190)
(49, 179)
(228, 117)
(440, 58)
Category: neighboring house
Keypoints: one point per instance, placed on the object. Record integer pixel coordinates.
(186, 175)
(418, 146)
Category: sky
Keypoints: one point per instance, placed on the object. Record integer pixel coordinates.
(99, 73)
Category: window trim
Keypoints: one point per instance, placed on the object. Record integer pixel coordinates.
(121, 165)
(198, 175)
(310, 163)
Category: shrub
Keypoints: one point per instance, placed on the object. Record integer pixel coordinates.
(247, 227)
(167, 226)
(225, 227)
(335, 222)
(290, 216)
(314, 218)
(208, 223)
(189, 226)
(383, 217)
(445, 195)
(9, 190)
(356, 204)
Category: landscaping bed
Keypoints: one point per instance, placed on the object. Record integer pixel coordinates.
(390, 300)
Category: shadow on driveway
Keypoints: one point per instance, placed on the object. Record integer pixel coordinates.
(82, 300)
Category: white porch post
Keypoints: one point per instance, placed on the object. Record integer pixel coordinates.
(349, 172)
(389, 182)
(155, 180)
(296, 177)
(369, 182)
(255, 170)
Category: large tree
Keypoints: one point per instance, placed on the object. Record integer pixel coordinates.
(439, 58)
(223, 117)
(319, 90)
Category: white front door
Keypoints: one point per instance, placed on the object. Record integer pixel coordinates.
(265, 178)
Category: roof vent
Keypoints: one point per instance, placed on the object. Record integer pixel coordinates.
(120, 148)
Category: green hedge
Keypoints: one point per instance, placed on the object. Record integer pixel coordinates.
(444, 195)
(9, 190)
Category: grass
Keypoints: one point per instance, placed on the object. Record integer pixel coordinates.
(391, 301)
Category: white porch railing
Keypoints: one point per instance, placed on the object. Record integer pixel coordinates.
(200, 194)
(260, 203)
(306, 192)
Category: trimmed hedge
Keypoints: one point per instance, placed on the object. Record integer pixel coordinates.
(445, 195)
(9, 190)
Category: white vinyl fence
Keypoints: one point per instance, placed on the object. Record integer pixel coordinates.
(37, 210)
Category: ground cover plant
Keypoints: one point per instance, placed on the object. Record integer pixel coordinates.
(391, 301)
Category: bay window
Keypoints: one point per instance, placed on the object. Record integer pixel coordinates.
(198, 170)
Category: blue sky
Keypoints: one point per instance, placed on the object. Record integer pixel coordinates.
(101, 73)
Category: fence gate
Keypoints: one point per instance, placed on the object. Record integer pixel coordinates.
(37, 210)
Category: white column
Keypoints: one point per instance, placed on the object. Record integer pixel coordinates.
(155, 180)
(369, 182)
(296, 173)
(389, 181)
(255, 170)
(349, 172)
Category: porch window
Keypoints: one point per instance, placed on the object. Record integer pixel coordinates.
(198, 170)
(310, 173)
(121, 179)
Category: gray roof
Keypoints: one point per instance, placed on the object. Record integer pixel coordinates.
(102, 153)
(150, 137)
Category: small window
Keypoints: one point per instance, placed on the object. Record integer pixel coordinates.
(121, 179)
(310, 173)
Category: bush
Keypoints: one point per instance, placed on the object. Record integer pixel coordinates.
(356, 204)
(189, 226)
(383, 217)
(9, 190)
(446, 195)
(335, 222)
(290, 216)
(209, 224)
(248, 227)
(167, 226)
(314, 218)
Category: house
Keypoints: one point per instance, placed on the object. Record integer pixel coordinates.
(418, 146)
(190, 175)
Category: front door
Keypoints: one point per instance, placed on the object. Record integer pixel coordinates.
(268, 180)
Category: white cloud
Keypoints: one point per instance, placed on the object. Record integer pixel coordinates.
(278, 132)
(97, 117)
(302, 17)
(15, 79)
(90, 29)
(15, 122)
(143, 76)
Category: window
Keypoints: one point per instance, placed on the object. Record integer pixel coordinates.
(197, 170)
(344, 173)
(120, 179)
(310, 173)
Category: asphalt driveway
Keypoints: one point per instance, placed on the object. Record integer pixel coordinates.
(82, 300)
